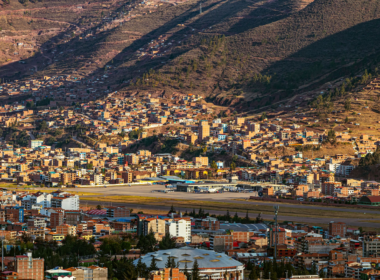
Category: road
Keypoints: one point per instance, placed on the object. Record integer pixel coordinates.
(228, 197)
(80, 142)
(31, 135)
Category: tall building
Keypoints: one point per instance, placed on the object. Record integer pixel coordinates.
(337, 228)
(66, 202)
(132, 159)
(56, 219)
(221, 243)
(154, 225)
(203, 130)
(203, 161)
(239, 120)
(180, 227)
(254, 127)
(28, 267)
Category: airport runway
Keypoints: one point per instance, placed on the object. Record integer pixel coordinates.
(152, 191)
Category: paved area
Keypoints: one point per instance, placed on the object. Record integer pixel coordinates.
(154, 191)
(300, 219)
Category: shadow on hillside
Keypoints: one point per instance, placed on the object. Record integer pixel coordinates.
(331, 55)
(40, 60)
(208, 18)
(269, 12)
(154, 34)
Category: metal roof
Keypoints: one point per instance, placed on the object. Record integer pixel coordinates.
(243, 227)
(206, 258)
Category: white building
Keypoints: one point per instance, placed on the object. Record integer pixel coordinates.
(66, 202)
(41, 199)
(180, 227)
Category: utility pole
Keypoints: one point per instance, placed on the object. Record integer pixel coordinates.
(276, 207)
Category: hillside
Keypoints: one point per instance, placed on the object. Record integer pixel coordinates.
(248, 54)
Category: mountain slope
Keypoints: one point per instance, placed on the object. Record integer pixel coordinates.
(236, 52)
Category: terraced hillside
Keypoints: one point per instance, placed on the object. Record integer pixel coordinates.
(246, 53)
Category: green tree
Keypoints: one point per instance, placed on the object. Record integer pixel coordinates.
(195, 271)
(186, 272)
(30, 104)
(232, 166)
(99, 207)
(153, 264)
(347, 104)
(167, 242)
(213, 165)
(263, 116)
(172, 210)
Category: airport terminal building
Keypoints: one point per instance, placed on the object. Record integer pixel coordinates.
(212, 186)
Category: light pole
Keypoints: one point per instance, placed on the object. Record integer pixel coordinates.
(276, 207)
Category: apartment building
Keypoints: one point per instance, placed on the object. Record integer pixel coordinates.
(180, 227)
(221, 243)
(56, 219)
(66, 202)
(28, 267)
(66, 230)
(337, 229)
(155, 225)
(89, 273)
(117, 211)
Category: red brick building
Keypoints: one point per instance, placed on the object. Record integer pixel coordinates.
(29, 268)
(56, 219)
(118, 212)
(337, 228)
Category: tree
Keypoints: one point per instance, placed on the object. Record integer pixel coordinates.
(186, 272)
(346, 120)
(233, 166)
(195, 271)
(253, 274)
(30, 104)
(263, 116)
(42, 126)
(153, 264)
(236, 218)
(247, 219)
(214, 166)
(172, 210)
(228, 217)
(347, 104)
(99, 207)
(331, 137)
(167, 242)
